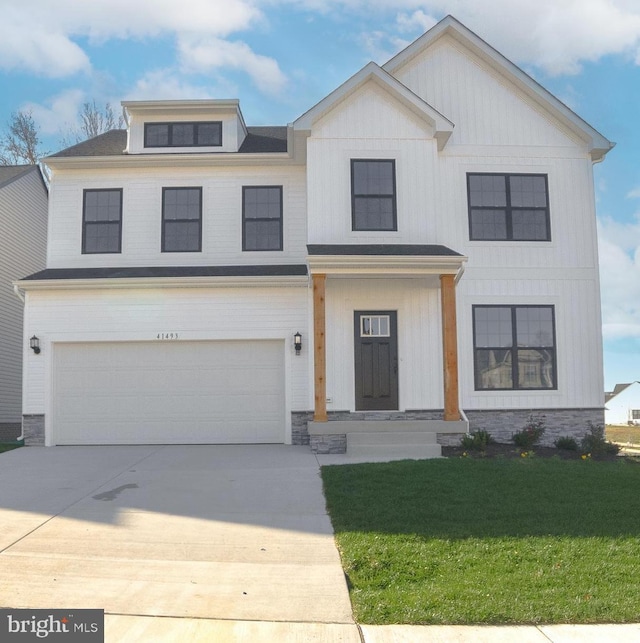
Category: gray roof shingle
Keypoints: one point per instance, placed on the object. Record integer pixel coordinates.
(9, 173)
(258, 140)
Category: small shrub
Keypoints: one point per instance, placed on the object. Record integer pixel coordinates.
(531, 433)
(567, 443)
(595, 444)
(477, 441)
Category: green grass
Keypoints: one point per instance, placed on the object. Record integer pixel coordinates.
(8, 446)
(489, 541)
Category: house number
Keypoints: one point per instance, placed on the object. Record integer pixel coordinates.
(167, 336)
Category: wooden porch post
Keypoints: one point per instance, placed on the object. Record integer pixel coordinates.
(450, 347)
(319, 351)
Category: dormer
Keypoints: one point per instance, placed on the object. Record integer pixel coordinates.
(184, 126)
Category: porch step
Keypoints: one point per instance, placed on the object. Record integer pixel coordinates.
(394, 444)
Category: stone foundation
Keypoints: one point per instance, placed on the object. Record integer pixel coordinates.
(299, 431)
(503, 423)
(10, 431)
(33, 430)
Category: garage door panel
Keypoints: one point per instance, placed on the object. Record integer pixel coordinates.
(169, 393)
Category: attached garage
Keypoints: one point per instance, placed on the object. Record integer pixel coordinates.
(169, 392)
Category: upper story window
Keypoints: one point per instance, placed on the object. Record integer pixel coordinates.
(181, 219)
(262, 217)
(508, 207)
(197, 134)
(373, 194)
(514, 347)
(102, 221)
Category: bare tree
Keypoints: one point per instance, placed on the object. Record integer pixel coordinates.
(21, 144)
(94, 121)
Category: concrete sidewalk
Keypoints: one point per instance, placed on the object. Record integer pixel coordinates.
(131, 629)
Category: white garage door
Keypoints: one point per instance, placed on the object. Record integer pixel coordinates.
(171, 392)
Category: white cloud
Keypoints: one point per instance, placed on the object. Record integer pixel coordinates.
(204, 54)
(619, 249)
(169, 84)
(634, 194)
(58, 112)
(418, 20)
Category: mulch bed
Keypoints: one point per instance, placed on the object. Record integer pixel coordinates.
(510, 451)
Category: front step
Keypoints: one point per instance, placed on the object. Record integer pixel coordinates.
(396, 444)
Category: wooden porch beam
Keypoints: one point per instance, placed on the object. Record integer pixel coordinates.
(319, 349)
(449, 347)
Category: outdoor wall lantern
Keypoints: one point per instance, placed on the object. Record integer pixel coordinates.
(297, 343)
(34, 344)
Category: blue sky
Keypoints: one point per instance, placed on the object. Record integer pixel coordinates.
(280, 57)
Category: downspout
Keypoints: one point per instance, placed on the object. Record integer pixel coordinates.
(20, 296)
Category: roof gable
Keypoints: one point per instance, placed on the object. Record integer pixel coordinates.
(442, 126)
(597, 144)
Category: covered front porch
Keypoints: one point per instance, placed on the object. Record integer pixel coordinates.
(385, 353)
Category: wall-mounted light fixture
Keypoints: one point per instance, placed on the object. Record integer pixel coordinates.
(34, 345)
(297, 343)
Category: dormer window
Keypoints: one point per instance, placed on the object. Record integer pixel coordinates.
(196, 134)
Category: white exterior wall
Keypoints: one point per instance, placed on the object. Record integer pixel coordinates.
(142, 215)
(618, 408)
(194, 314)
(232, 130)
(497, 129)
(417, 302)
(23, 239)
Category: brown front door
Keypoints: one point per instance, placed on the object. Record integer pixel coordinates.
(376, 360)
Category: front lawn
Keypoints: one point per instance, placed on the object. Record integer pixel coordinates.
(8, 446)
(489, 541)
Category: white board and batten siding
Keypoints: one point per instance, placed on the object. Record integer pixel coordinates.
(142, 215)
(216, 330)
(23, 238)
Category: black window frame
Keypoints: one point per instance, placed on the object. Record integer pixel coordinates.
(165, 221)
(508, 208)
(170, 136)
(514, 348)
(393, 197)
(245, 220)
(86, 223)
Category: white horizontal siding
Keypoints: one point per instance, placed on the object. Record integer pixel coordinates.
(142, 216)
(23, 236)
(195, 314)
(419, 338)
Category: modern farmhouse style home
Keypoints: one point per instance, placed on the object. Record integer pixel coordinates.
(413, 257)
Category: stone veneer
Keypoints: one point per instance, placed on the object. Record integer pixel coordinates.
(500, 423)
(33, 430)
(9, 431)
(503, 423)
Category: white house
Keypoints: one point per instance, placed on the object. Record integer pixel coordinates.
(428, 229)
(622, 405)
(23, 240)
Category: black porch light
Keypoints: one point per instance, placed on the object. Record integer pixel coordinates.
(34, 345)
(297, 343)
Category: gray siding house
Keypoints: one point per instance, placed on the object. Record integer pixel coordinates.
(23, 240)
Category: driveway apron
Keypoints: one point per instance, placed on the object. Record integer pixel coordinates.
(218, 532)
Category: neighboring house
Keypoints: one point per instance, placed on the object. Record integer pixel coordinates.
(23, 241)
(622, 405)
(428, 229)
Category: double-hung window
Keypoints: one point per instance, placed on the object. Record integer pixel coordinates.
(514, 347)
(102, 221)
(508, 207)
(373, 194)
(181, 219)
(262, 217)
(198, 134)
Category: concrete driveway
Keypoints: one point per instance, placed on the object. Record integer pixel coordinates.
(214, 532)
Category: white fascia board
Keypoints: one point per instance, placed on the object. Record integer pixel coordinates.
(203, 159)
(441, 125)
(598, 145)
(180, 105)
(164, 282)
(385, 266)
